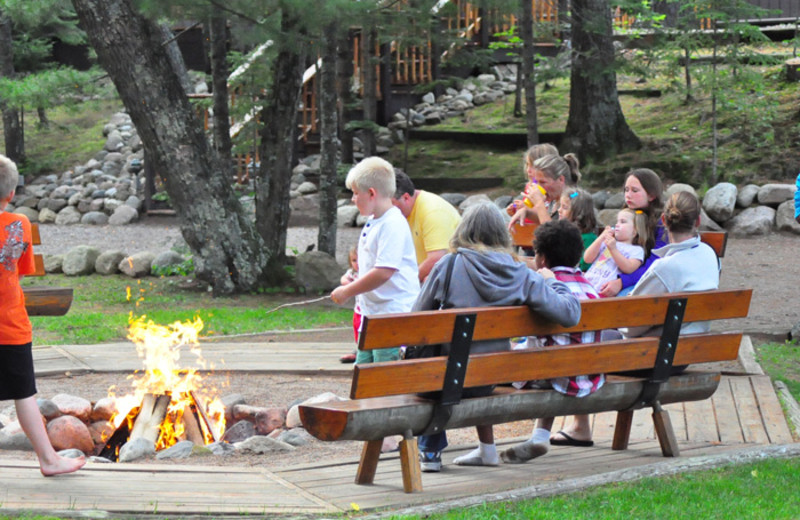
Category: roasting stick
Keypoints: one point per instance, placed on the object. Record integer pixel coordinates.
(305, 302)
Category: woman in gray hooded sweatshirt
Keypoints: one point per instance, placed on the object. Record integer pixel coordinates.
(487, 273)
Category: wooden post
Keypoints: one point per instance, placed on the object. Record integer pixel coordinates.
(664, 432)
(409, 465)
(368, 464)
(622, 430)
(791, 67)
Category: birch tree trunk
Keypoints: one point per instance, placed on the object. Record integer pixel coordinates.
(228, 252)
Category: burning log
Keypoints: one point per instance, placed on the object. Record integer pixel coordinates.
(191, 428)
(151, 415)
(208, 422)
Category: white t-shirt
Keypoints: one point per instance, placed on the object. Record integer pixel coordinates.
(605, 269)
(386, 242)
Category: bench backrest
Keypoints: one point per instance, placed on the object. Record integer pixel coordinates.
(434, 327)
(522, 236)
(37, 258)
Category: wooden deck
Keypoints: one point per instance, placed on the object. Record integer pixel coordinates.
(744, 412)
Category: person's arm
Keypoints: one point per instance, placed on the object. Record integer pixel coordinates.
(552, 299)
(624, 264)
(519, 217)
(430, 260)
(593, 251)
(629, 280)
(539, 205)
(373, 279)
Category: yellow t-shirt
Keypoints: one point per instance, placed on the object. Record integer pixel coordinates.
(433, 221)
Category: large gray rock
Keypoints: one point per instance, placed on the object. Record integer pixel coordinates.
(261, 444)
(746, 196)
(317, 271)
(138, 265)
(15, 441)
(775, 194)
(239, 431)
(80, 260)
(346, 216)
(108, 262)
(53, 263)
(165, 260)
(474, 200)
(68, 216)
(600, 198)
(784, 218)
(179, 450)
(707, 224)
(679, 186)
(720, 201)
(136, 449)
(124, 214)
(31, 213)
(607, 217)
(456, 199)
(757, 220)
(615, 201)
(94, 218)
(47, 216)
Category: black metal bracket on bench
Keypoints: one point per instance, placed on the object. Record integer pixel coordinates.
(453, 385)
(667, 346)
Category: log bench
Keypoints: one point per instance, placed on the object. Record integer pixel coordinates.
(385, 397)
(43, 300)
(522, 236)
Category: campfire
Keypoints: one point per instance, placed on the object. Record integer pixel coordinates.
(168, 404)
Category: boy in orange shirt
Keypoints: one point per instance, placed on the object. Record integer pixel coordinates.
(16, 333)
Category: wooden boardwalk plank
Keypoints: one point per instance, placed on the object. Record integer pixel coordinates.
(771, 411)
(749, 414)
(702, 427)
(726, 414)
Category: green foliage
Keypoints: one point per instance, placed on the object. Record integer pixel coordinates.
(50, 88)
(184, 268)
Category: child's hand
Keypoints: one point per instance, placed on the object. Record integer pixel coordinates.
(518, 217)
(512, 208)
(339, 295)
(546, 273)
(610, 241)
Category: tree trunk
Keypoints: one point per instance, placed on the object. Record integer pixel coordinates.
(596, 128)
(528, 71)
(565, 34)
(328, 143)
(170, 43)
(344, 74)
(44, 121)
(219, 79)
(278, 139)
(12, 127)
(228, 253)
(370, 88)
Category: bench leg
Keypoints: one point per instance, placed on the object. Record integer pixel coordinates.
(622, 430)
(368, 464)
(664, 432)
(409, 463)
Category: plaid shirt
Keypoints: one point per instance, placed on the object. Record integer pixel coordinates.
(576, 386)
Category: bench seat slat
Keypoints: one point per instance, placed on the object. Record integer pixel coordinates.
(375, 418)
(424, 328)
(426, 375)
(47, 301)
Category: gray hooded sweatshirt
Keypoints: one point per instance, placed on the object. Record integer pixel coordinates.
(484, 279)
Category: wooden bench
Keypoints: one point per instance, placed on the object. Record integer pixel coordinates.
(384, 397)
(522, 236)
(42, 300)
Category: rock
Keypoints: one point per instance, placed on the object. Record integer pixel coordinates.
(73, 405)
(47, 216)
(179, 450)
(775, 194)
(720, 201)
(114, 141)
(456, 199)
(784, 218)
(48, 409)
(104, 409)
(110, 205)
(429, 98)
(346, 216)
(269, 420)
(707, 224)
(71, 453)
(615, 201)
(124, 214)
(68, 216)
(80, 260)
(221, 449)
(136, 449)
(94, 218)
(53, 263)
(679, 186)
(108, 262)
(134, 202)
(240, 431)
(138, 265)
(474, 200)
(599, 198)
(307, 188)
(243, 412)
(165, 260)
(15, 441)
(295, 437)
(101, 431)
(293, 416)
(31, 213)
(607, 217)
(67, 432)
(317, 271)
(757, 220)
(746, 196)
(261, 444)
(55, 205)
(229, 401)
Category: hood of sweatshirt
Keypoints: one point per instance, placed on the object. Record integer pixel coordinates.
(494, 275)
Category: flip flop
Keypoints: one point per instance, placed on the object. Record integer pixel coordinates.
(570, 441)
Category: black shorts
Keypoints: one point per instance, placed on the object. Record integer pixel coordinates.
(17, 379)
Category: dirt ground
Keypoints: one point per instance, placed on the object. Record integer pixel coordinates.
(766, 264)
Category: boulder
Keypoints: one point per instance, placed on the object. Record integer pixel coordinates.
(94, 218)
(48, 409)
(53, 263)
(68, 216)
(269, 420)
(746, 196)
(456, 199)
(166, 259)
(138, 265)
(775, 194)
(679, 186)
(607, 217)
(73, 405)
(720, 201)
(108, 262)
(136, 449)
(47, 216)
(600, 198)
(784, 218)
(615, 201)
(68, 432)
(757, 220)
(31, 213)
(239, 431)
(293, 416)
(104, 409)
(80, 260)
(317, 271)
(261, 444)
(346, 215)
(474, 200)
(124, 214)
(707, 224)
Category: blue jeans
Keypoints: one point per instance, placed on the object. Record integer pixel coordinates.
(626, 291)
(435, 442)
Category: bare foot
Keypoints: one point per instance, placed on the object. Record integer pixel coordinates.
(61, 465)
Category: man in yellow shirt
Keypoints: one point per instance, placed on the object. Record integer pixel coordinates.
(431, 218)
